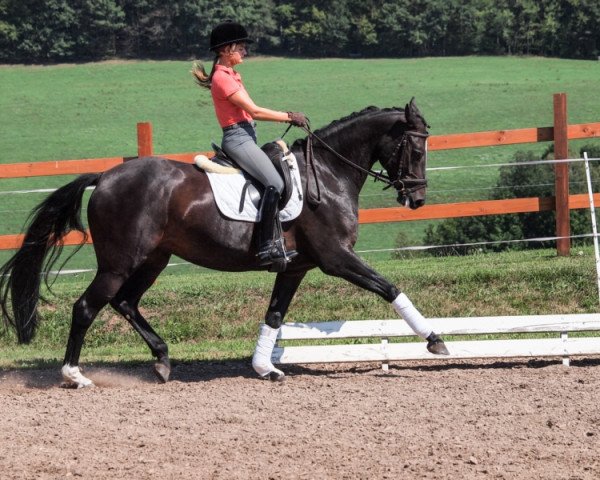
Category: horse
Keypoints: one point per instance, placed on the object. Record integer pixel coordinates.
(141, 212)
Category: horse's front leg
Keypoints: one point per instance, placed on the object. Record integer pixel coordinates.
(285, 287)
(349, 266)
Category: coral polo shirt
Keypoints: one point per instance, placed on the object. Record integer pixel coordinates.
(225, 82)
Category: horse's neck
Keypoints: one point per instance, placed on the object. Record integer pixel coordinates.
(356, 141)
(357, 146)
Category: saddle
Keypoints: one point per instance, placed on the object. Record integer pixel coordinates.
(278, 152)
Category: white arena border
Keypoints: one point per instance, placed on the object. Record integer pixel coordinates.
(385, 352)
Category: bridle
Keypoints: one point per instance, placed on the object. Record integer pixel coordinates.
(405, 183)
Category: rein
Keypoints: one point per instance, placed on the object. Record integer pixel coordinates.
(379, 176)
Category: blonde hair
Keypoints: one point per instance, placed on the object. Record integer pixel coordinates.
(202, 78)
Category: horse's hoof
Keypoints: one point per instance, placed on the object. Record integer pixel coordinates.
(438, 348)
(276, 376)
(76, 386)
(162, 371)
(436, 345)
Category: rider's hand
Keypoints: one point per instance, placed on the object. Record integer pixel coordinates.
(298, 119)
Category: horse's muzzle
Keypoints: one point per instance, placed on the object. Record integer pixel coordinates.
(409, 202)
(411, 192)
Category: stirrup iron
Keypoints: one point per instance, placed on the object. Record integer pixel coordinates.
(274, 251)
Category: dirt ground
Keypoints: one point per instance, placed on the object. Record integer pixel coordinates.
(506, 420)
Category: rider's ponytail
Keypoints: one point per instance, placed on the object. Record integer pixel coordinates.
(202, 78)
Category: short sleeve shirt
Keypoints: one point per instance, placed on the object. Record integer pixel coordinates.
(225, 82)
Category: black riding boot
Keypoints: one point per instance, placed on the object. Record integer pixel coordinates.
(271, 248)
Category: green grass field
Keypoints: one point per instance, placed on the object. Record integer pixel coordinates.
(91, 110)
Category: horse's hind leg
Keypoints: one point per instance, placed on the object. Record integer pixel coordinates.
(104, 286)
(285, 287)
(126, 302)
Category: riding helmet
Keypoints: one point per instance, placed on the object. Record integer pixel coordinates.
(226, 33)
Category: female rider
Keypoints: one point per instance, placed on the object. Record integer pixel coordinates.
(236, 113)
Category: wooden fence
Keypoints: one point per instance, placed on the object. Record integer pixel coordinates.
(560, 133)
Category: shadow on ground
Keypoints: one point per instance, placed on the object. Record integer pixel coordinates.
(45, 375)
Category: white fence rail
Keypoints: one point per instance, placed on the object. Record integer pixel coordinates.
(561, 346)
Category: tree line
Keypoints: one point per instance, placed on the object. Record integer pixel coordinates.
(73, 30)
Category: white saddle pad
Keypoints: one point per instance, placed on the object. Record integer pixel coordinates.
(227, 185)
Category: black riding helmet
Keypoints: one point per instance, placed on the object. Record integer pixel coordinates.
(226, 33)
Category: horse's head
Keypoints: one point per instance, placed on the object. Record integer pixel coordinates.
(403, 153)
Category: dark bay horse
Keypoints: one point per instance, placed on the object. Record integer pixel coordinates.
(146, 210)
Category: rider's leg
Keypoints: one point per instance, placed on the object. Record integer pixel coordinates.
(240, 144)
(270, 242)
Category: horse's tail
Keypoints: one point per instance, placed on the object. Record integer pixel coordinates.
(22, 275)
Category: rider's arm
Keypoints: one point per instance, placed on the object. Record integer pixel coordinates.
(243, 100)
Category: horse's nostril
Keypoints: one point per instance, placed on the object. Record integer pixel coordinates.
(418, 203)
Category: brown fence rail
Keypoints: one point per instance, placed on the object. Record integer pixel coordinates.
(562, 202)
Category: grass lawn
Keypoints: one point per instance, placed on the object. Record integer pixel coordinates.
(91, 110)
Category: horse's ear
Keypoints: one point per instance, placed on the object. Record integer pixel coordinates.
(411, 110)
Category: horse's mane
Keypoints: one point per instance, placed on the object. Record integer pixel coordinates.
(336, 125)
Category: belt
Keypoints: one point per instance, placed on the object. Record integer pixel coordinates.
(239, 125)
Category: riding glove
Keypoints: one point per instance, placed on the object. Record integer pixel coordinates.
(298, 119)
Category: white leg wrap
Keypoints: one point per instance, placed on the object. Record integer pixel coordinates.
(73, 376)
(261, 361)
(411, 315)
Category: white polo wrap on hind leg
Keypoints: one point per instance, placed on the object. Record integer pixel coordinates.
(73, 376)
(261, 360)
(412, 316)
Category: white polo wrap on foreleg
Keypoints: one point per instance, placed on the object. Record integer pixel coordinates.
(261, 360)
(412, 316)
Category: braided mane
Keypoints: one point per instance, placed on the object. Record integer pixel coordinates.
(336, 125)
